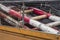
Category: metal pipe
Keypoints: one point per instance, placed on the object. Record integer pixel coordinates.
(41, 12)
(11, 20)
(49, 24)
(39, 17)
(26, 11)
(53, 24)
(30, 21)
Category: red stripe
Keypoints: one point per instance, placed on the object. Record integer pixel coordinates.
(18, 15)
(40, 12)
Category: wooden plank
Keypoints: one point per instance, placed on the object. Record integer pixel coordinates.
(58, 37)
(4, 36)
(13, 36)
(32, 33)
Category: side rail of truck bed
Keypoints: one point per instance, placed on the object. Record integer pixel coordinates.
(10, 33)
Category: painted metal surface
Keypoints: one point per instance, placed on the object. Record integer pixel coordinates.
(34, 23)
